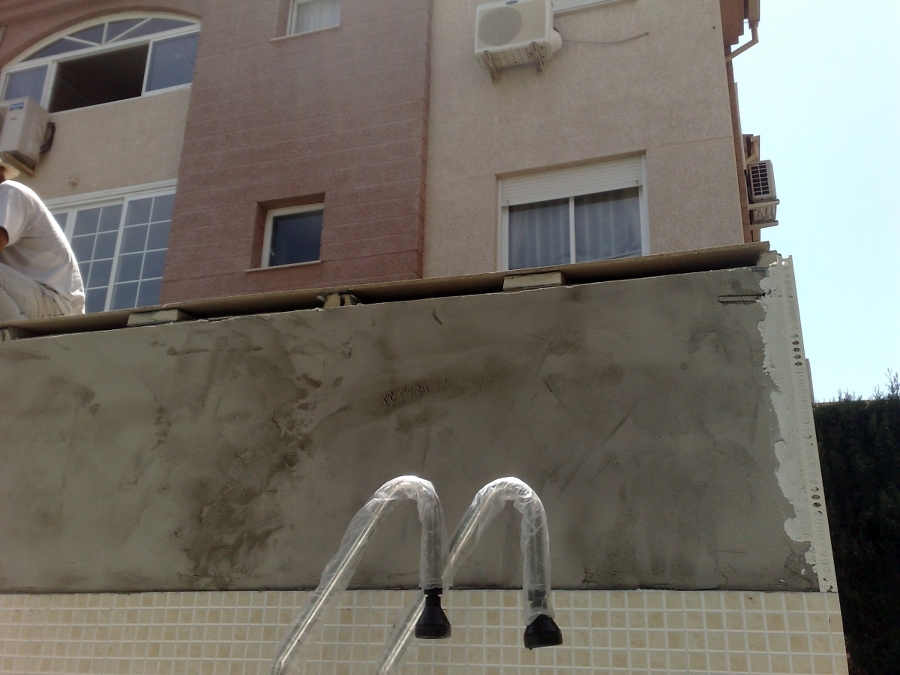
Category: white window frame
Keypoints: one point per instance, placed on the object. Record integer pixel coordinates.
(569, 183)
(292, 15)
(21, 63)
(267, 236)
(71, 205)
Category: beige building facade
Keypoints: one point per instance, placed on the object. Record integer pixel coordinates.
(380, 121)
(641, 80)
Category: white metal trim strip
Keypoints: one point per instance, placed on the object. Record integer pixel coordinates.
(566, 5)
(91, 198)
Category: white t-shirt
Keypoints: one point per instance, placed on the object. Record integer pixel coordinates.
(38, 247)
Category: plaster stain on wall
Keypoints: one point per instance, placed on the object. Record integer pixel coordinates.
(410, 393)
(233, 525)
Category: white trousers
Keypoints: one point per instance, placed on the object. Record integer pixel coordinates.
(24, 298)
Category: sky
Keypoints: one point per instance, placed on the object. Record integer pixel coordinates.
(822, 90)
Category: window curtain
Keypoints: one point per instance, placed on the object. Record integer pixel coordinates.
(607, 225)
(315, 15)
(539, 234)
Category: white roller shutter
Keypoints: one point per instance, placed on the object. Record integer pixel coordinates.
(578, 180)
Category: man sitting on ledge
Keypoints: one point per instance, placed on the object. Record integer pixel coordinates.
(39, 275)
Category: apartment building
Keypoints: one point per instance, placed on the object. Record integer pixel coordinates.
(208, 149)
(393, 240)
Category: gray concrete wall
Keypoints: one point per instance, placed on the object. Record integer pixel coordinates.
(233, 453)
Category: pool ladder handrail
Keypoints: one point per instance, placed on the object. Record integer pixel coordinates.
(340, 569)
(541, 630)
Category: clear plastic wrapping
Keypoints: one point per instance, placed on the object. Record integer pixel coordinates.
(340, 569)
(534, 540)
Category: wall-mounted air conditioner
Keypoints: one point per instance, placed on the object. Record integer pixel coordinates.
(23, 133)
(515, 32)
(761, 191)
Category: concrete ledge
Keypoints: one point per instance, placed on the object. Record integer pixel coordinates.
(727, 257)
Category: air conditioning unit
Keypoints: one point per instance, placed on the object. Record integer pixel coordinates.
(515, 32)
(761, 192)
(24, 126)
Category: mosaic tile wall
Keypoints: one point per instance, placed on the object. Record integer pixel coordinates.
(628, 632)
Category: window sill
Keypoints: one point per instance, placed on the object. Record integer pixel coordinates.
(281, 38)
(283, 267)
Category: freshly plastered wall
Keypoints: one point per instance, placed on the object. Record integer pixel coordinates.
(663, 94)
(660, 419)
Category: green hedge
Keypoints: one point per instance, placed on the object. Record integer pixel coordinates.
(859, 447)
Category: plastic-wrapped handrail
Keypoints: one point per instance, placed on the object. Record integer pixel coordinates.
(340, 569)
(534, 540)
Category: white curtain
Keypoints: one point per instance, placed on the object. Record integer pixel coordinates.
(539, 234)
(315, 15)
(607, 225)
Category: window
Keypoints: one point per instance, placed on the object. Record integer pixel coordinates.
(293, 236)
(309, 15)
(120, 244)
(105, 62)
(573, 215)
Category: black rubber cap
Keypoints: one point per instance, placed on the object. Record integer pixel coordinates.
(433, 624)
(543, 632)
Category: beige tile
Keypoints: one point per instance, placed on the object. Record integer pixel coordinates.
(754, 621)
(677, 661)
(799, 644)
(692, 600)
(794, 602)
(759, 663)
(638, 660)
(618, 619)
(738, 663)
(775, 623)
(657, 660)
(581, 658)
(718, 662)
(696, 640)
(697, 660)
(656, 639)
(800, 663)
(715, 621)
(756, 642)
(676, 640)
(778, 642)
(715, 641)
(618, 639)
(818, 622)
(696, 621)
(796, 622)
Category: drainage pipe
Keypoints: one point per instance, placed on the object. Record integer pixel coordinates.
(754, 39)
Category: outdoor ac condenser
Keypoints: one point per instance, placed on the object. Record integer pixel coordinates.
(515, 32)
(761, 191)
(22, 134)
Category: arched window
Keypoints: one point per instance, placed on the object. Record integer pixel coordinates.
(118, 58)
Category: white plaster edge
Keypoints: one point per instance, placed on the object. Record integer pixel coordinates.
(799, 473)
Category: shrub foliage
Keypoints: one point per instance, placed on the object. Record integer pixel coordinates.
(859, 447)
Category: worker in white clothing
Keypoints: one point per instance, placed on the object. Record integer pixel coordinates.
(39, 275)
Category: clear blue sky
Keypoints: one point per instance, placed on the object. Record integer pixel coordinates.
(822, 89)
